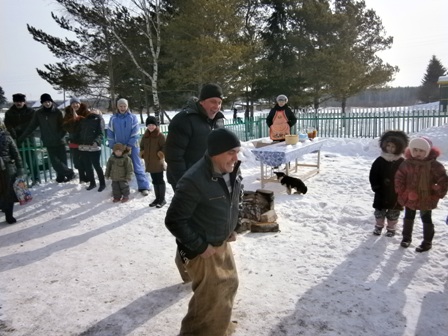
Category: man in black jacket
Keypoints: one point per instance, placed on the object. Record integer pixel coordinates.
(49, 119)
(188, 130)
(17, 119)
(202, 216)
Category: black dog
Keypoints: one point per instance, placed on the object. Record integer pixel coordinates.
(291, 183)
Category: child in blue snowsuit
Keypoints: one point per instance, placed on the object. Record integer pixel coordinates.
(124, 128)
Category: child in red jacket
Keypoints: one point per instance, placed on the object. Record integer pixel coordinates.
(420, 182)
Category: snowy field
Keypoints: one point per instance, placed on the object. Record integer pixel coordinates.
(77, 264)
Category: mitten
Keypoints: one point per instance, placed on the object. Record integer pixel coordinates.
(412, 196)
(161, 155)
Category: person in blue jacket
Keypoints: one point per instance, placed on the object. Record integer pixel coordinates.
(124, 128)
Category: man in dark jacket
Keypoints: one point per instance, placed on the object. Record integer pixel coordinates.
(17, 119)
(49, 119)
(202, 216)
(188, 130)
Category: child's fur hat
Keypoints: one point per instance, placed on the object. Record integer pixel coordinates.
(120, 147)
(398, 138)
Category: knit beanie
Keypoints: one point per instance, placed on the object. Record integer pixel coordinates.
(151, 120)
(75, 100)
(18, 97)
(220, 141)
(422, 143)
(45, 97)
(398, 138)
(210, 91)
(282, 98)
(122, 101)
(120, 147)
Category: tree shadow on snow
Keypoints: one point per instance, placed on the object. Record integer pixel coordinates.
(369, 287)
(138, 312)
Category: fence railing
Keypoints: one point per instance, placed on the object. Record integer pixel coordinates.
(366, 123)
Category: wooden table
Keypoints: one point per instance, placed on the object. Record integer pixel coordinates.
(277, 154)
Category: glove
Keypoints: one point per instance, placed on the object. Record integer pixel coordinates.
(161, 155)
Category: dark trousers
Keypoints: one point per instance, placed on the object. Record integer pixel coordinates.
(408, 224)
(120, 188)
(90, 161)
(58, 159)
(78, 162)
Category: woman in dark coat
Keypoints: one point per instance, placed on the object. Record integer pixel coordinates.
(10, 167)
(91, 133)
(73, 115)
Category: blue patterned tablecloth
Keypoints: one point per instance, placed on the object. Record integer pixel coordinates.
(280, 153)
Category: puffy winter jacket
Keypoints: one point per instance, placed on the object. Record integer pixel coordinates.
(202, 210)
(407, 181)
(186, 142)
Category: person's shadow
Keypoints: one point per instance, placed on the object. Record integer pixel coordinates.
(362, 296)
(433, 318)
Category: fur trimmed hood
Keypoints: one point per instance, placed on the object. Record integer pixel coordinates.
(398, 138)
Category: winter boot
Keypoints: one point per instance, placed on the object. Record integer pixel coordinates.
(8, 210)
(391, 225)
(378, 226)
(91, 186)
(156, 192)
(428, 235)
(424, 246)
(102, 180)
(408, 226)
(161, 196)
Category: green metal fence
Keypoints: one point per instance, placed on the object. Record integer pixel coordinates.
(366, 123)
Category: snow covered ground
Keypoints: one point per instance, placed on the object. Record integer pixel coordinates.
(77, 264)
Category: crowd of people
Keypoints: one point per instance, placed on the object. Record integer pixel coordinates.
(200, 158)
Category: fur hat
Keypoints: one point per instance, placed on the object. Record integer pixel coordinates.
(151, 120)
(210, 91)
(422, 143)
(18, 97)
(45, 97)
(281, 98)
(221, 140)
(398, 138)
(120, 147)
(122, 101)
(75, 100)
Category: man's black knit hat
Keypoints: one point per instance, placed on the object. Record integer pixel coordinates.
(45, 97)
(221, 140)
(210, 91)
(18, 97)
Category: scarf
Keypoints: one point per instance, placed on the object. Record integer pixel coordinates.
(424, 183)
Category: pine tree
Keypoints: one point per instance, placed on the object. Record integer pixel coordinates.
(2, 96)
(429, 90)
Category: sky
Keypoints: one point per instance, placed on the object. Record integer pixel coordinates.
(77, 264)
(419, 31)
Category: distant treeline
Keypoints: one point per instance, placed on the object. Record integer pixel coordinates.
(387, 97)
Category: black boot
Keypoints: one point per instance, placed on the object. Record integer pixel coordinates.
(428, 235)
(161, 196)
(156, 192)
(102, 180)
(8, 210)
(91, 186)
(408, 226)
